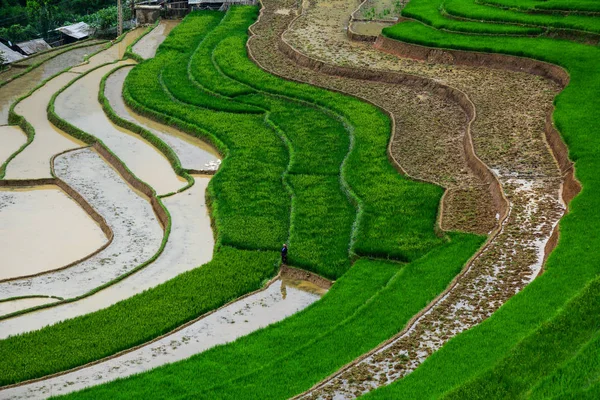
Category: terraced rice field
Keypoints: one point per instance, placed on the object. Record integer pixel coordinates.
(430, 165)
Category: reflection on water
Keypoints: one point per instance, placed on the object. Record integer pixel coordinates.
(42, 229)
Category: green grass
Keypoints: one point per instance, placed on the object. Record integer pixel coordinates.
(472, 10)
(496, 358)
(137, 320)
(570, 6)
(269, 153)
(370, 303)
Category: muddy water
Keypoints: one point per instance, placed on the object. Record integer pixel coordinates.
(115, 52)
(79, 105)
(369, 28)
(11, 139)
(137, 232)
(192, 152)
(225, 325)
(21, 86)
(34, 161)
(190, 245)
(147, 46)
(42, 229)
(8, 307)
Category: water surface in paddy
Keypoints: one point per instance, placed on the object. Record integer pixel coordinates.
(22, 85)
(146, 47)
(34, 161)
(115, 52)
(11, 138)
(190, 245)
(235, 320)
(192, 152)
(79, 105)
(9, 307)
(42, 229)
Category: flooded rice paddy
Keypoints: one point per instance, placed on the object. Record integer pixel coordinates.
(34, 161)
(42, 229)
(193, 153)
(113, 53)
(277, 302)
(22, 85)
(147, 46)
(137, 232)
(9, 307)
(79, 105)
(11, 139)
(190, 245)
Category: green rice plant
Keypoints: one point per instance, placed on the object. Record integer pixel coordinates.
(538, 355)
(201, 67)
(137, 320)
(570, 6)
(472, 10)
(572, 265)
(428, 12)
(396, 215)
(373, 301)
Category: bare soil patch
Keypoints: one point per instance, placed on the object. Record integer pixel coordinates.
(508, 135)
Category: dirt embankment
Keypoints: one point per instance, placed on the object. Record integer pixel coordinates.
(509, 134)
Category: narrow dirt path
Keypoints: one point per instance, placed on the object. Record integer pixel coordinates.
(508, 135)
(281, 299)
(190, 245)
(137, 232)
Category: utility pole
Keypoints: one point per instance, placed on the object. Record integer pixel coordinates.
(120, 18)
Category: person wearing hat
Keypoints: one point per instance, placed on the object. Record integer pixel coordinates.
(284, 252)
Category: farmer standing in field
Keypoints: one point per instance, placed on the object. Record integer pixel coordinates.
(284, 254)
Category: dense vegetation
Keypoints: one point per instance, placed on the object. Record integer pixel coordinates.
(543, 339)
(22, 20)
(341, 198)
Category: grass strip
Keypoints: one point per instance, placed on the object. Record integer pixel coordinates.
(471, 9)
(572, 265)
(137, 320)
(288, 357)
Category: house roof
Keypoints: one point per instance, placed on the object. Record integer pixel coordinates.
(77, 31)
(34, 46)
(9, 54)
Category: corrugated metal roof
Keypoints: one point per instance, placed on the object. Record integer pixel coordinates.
(9, 54)
(34, 46)
(77, 31)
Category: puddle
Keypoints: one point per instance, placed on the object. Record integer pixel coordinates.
(79, 105)
(115, 52)
(21, 86)
(225, 325)
(43, 229)
(137, 232)
(192, 152)
(147, 46)
(369, 28)
(34, 161)
(8, 307)
(11, 139)
(190, 246)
